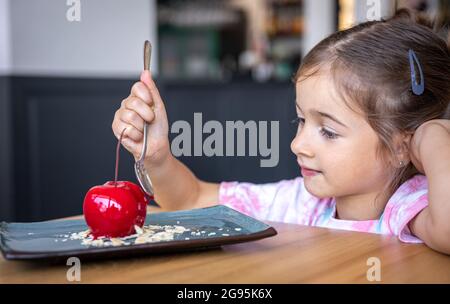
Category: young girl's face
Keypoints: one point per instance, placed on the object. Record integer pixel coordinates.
(336, 141)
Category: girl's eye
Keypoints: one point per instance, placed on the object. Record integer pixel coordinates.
(328, 134)
(299, 121)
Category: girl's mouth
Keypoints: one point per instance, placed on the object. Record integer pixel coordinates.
(308, 172)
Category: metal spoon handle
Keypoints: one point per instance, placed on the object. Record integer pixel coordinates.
(144, 146)
(147, 58)
(147, 54)
(139, 167)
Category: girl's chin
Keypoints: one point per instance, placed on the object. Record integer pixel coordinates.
(315, 188)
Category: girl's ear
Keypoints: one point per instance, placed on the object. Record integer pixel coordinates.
(401, 143)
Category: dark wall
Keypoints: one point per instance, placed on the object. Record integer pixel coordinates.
(6, 176)
(236, 101)
(62, 143)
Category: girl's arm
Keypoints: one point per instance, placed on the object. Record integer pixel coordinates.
(176, 187)
(430, 153)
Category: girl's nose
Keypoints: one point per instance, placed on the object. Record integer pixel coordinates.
(300, 145)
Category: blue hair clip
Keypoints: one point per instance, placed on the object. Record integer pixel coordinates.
(417, 88)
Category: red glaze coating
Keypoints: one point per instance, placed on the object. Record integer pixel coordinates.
(112, 210)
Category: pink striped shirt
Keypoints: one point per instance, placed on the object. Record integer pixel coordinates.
(288, 201)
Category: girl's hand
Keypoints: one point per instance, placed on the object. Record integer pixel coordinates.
(143, 104)
(425, 134)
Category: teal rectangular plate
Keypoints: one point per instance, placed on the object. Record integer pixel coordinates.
(36, 241)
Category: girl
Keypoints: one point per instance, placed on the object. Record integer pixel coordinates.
(373, 139)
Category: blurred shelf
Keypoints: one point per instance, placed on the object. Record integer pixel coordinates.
(284, 29)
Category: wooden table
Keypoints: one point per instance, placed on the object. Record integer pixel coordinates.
(298, 254)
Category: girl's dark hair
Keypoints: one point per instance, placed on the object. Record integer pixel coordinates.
(370, 68)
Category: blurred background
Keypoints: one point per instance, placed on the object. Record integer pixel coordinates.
(65, 67)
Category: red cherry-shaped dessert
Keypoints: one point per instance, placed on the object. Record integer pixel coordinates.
(113, 209)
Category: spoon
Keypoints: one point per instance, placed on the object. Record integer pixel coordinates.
(139, 168)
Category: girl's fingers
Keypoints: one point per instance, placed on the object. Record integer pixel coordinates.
(141, 91)
(140, 107)
(147, 79)
(130, 117)
(131, 132)
(131, 145)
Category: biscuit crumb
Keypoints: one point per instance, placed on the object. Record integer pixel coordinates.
(143, 235)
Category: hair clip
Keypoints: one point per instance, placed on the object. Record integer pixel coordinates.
(417, 88)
